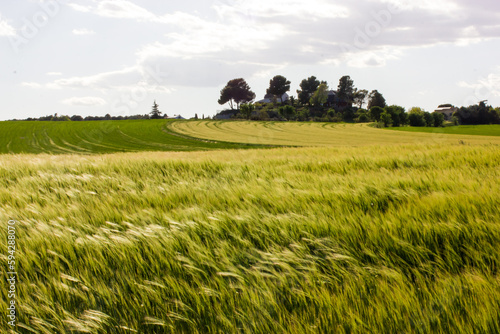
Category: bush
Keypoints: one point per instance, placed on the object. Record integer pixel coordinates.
(362, 118)
(261, 115)
(287, 112)
(303, 114)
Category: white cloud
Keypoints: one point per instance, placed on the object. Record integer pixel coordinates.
(99, 81)
(6, 29)
(309, 10)
(88, 101)
(123, 9)
(144, 78)
(484, 88)
(252, 37)
(119, 9)
(80, 8)
(83, 31)
(372, 58)
(447, 7)
(32, 85)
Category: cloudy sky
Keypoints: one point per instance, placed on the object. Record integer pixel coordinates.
(89, 57)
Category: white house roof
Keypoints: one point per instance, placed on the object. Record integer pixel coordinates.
(269, 98)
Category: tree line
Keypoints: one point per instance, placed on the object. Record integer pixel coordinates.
(317, 102)
(154, 114)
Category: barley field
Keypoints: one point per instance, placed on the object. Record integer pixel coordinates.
(322, 134)
(392, 237)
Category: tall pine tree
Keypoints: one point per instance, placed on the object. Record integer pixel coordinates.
(155, 112)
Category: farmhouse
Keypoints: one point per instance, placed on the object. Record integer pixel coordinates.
(270, 98)
(447, 110)
(335, 101)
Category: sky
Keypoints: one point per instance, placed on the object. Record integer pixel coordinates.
(89, 57)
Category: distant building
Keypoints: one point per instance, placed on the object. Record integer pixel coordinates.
(270, 98)
(447, 110)
(333, 99)
(336, 102)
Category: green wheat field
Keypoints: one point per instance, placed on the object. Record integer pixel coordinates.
(250, 227)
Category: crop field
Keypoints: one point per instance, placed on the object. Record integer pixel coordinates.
(312, 134)
(375, 232)
(479, 130)
(96, 137)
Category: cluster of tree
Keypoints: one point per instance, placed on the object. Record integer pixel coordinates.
(397, 116)
(315, 101)
(477, 114)
(107, 117)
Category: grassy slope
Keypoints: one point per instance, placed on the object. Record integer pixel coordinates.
(379, 239)
(96, 137)
(478, 130)
(311, 134)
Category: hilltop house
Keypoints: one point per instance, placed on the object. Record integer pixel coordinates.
(336, 102)
(447, 110)
(270, 98)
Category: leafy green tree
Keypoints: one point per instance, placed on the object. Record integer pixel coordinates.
(416, 117)
(397, 114)
(236, 91)
(307, 88)
(429, 120)
(320, 96)
(247, 109)
(375, 99)
(386, 119)
(278, 86)
(345, 90)
(155, 111)
(360, 97)
(495, 115)
(438, 119)
(375, 113)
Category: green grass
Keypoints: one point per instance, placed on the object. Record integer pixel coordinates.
(374, 239)
(97, 137)
(477, 130)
